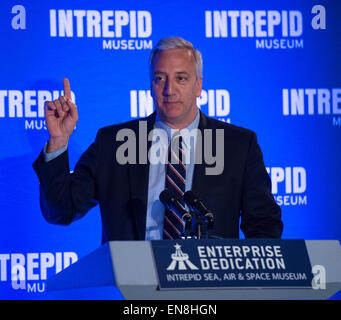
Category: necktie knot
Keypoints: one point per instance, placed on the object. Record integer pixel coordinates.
(176, 153)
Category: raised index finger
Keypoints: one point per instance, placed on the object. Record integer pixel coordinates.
(67, 90)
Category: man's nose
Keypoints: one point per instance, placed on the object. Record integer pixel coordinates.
(168, 89)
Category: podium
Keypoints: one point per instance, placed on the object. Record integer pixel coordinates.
(209, 269)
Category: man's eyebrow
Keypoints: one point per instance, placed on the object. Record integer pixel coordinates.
(182, 72)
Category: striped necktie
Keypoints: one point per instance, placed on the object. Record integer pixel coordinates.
(175, 182)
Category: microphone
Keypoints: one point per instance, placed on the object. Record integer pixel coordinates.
(171, 201)
(196, 205)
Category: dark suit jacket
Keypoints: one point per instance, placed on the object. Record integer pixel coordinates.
(242, 193)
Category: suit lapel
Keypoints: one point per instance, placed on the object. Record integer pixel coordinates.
(198, 184)
(139, 175)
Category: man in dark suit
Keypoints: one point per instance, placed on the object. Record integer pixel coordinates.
(234, 183)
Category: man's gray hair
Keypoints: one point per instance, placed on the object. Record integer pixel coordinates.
(176, 43)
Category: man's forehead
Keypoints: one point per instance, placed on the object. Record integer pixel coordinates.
(180, 57)
(176, 72)
(177, 52)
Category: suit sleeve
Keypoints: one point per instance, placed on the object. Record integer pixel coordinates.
(260, 216)
(65, 196)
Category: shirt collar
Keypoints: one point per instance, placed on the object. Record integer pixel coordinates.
(184, 132)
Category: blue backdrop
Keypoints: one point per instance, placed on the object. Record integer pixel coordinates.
(271, 67)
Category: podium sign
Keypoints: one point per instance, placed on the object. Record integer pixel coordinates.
(208, 269)
(225, 263)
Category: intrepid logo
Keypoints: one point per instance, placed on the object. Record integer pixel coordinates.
(125, 30)
(29, 271)
(181, 259)
(28, 105)
(214, 102)
(289, 185)
(271, 29)
(313, 102)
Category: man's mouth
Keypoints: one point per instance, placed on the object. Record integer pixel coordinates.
(170, 102)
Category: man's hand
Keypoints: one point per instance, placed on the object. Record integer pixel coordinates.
(61, 117)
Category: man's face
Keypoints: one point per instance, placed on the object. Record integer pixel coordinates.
(175, 87)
